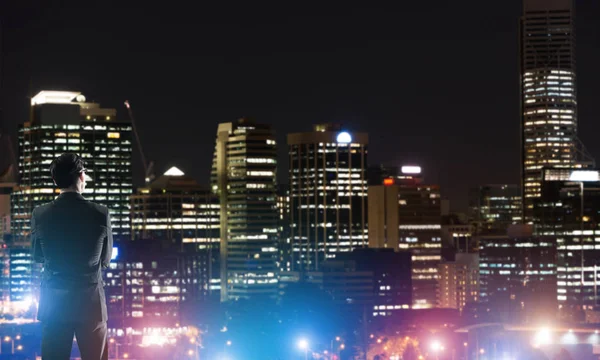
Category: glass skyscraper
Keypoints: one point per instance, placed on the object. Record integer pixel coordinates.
(328, 194)
(244, 177)
(548, 94)
(62, 121)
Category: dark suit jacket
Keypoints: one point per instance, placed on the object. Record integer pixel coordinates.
(73, 238)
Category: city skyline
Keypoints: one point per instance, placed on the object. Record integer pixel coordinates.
(359, 81)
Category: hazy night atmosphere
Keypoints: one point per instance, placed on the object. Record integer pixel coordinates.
(278, 236)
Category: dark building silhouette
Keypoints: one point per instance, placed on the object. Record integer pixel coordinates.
(517, 274)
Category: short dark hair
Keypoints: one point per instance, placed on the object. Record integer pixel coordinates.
(66, 168)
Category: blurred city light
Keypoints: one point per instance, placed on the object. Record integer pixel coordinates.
(303, 344)
(436, 346)
(542, 337)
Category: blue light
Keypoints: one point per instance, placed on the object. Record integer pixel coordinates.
(115, 253)
(344, 138)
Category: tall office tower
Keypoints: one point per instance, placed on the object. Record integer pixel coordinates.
(517, 273)
(548, 95)
(405, 214)
(176, 209)
(458, 281)
(328, 189)
(244, 177)
(568, 211)
(493, 208)
(62, 121)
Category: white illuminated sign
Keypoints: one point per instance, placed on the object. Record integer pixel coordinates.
(174, 172)
(584, 175)
(411, 169)
(344, 138)
(54, 97)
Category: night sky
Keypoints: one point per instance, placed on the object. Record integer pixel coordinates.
(434, 83)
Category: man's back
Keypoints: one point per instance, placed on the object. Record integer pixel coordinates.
(71, 237)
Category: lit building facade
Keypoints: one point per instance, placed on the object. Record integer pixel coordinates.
(406, 214)
(62, 122)
(152, 284)
(392, 277)
(495, 207)
(518, 275)
(568, 211)
(244, 178)
(328, 189)
(548, 94)
(176, 209)
(458, 281)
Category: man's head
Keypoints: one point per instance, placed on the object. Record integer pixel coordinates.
(68, 172)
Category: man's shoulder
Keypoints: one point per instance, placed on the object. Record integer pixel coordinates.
(100, 208)
(41, 209)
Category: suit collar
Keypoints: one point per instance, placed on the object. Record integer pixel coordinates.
(70, 195)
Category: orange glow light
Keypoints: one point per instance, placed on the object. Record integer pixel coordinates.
(388, 181)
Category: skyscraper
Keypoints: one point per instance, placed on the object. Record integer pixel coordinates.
(568, 211)
(328, 189)
(517, 273)
(406, 214)
(176, 209)
(494, 208)
(62, 121)
(244, 177)
(548, 95)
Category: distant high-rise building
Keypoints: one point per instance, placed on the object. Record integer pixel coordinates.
(176, 209)
(406, 214)
(458, 281)
(568, 210)
(244, 178)
(328, 189)
(493, 208)
(517, 273)
(548, 95)
(62, 121)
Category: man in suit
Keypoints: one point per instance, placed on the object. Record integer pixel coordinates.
(72, 238)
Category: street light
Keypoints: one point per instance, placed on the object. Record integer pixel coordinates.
(12, 341)
(303, 345)
(126, 356)
(20, 347)
(190, 352)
